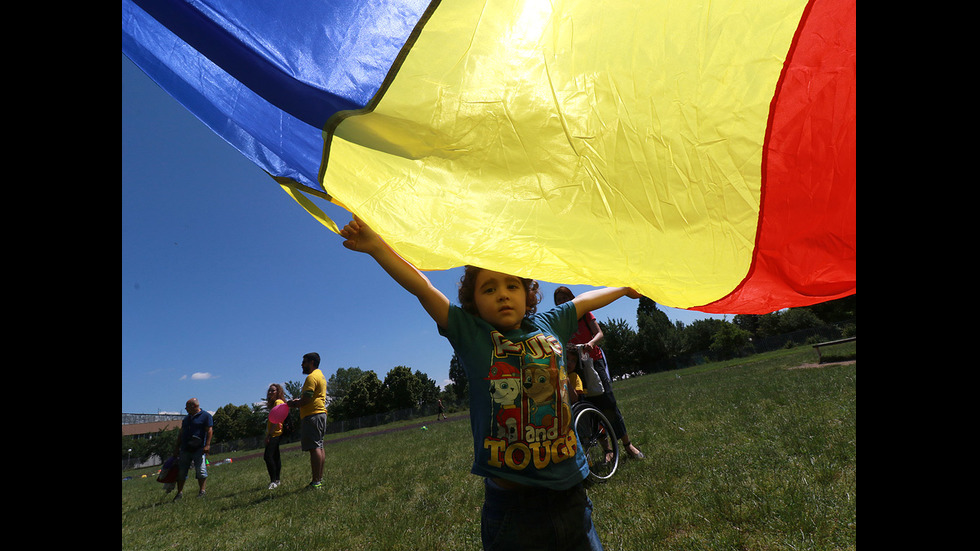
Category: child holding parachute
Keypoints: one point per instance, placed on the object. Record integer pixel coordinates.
(523, 441)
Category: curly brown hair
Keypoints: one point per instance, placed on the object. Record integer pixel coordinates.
(467, 291)
(280, 395)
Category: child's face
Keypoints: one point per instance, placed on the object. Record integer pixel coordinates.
(500, 299)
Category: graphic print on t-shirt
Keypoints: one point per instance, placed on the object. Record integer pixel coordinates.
(530, 426)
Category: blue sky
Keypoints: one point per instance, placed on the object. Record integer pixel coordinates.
(227, 281)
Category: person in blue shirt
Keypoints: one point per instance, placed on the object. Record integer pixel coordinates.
(193, 444)
(524, 444)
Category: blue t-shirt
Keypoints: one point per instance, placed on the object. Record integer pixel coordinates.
(195, 429)
(519, 397)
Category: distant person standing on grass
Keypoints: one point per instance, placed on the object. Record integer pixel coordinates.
(193, 443)
(312, 405)
(273, 432)
(442, 412)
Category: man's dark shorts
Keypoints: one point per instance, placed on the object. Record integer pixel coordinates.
(311, 431)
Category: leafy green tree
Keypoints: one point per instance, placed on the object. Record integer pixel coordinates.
(338, 387)
(233, 422)
(698, 336)
(759, 325)
(137, 448)
(797, 319)
(657, 338)
(769, 325)
(747, 322)
(402, 388)
(833, 311)
(340, 382)
(258, 419)
(163, 444)
(448, 394)
(292, 389)
(619, 346)
(365, 396)
(428, 389)
(728, 341)
(460, 383)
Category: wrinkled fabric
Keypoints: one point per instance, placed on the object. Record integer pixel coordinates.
(702, 154)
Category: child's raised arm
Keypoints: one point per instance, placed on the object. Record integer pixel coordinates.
(361, 238)
(597, 298)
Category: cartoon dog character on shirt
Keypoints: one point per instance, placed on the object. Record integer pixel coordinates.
(540, 385)
(505, 391)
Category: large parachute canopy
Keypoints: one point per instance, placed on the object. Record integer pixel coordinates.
(703, 153)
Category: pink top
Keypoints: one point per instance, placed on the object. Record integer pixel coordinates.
(584, 335)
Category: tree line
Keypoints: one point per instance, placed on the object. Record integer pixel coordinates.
(352, 393)
(659, 345)
(656, 345)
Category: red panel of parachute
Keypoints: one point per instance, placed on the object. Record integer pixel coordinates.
(806, 246)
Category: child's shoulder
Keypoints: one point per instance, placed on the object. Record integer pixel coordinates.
(562, 311)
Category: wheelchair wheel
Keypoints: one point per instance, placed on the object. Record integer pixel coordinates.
(597, 440)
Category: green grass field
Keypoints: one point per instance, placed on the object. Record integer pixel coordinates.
(753, 454)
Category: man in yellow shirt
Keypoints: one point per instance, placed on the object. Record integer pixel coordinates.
(312, 405)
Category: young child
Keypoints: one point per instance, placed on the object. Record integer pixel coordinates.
(574, 379)
(524, 445)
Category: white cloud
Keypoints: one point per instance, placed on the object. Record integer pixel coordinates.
(198, 376)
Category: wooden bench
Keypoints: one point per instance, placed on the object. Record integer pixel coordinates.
(828, 343)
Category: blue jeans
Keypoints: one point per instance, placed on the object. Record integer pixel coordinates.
(537, 519)
(186, 459)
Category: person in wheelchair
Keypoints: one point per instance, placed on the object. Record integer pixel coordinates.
(579, 399)
(589, 334)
